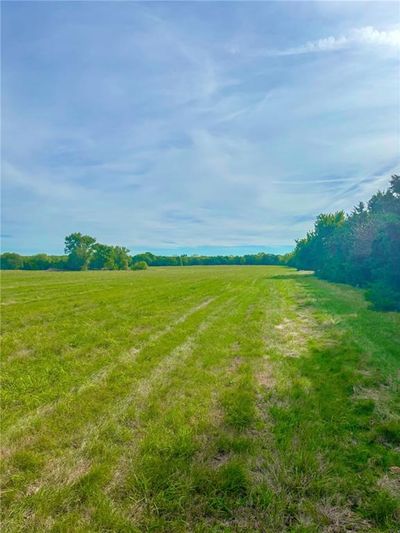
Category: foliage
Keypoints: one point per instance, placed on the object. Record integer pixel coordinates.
(38, 262)
(362, 249)
(85, 253)
(80, 250)
(11, 261)
(140, 265)
(384, 297)
(185, 260)
(107, 257)
(121, 257)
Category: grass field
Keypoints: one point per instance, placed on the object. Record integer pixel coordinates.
(197, 399)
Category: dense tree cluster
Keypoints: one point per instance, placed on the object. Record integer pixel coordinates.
(13, 261)
(84, 253)
(192, 260)
(362, 248)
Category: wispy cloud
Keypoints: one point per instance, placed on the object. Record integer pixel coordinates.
(367, 35)
(135, 123)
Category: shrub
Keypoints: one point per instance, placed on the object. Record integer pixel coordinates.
(140, 265)
(383, 297)
(11, 261)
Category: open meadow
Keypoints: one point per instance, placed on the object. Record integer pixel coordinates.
(197, 399)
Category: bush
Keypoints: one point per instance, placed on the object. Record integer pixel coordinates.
(384, 298)
(11, 261)
(140, 265)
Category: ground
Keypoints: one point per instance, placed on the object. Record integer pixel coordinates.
(197, 399)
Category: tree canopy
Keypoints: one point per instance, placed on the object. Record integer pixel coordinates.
(362, 248)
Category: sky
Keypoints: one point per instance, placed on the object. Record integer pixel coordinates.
(193, 127)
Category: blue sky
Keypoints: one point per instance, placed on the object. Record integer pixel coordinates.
(193, 127)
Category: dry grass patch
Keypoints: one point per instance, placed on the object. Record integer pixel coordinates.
(264, 375)
(293, 334)
(341, 520)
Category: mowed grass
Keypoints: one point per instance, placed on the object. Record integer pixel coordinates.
(197, 399)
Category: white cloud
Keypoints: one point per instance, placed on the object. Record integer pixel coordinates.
(367, 35)
(371, 35)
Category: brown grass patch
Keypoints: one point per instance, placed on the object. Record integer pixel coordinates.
(342, 520)
(391, 483)
(264, 376)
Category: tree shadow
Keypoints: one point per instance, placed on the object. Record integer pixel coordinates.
(294, 275)
(331, 441)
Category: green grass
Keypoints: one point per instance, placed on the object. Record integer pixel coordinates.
(197, 399)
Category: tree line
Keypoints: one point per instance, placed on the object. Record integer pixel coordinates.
(361, 248)
(192, 260)
(83, 252)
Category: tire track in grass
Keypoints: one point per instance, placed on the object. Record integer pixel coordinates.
(232, 455)
(125, 355)
(68, 468)
(288, 477)
(235, 457)
(288, 332)
(89, 432)
(142, 391)
(26, 371)
(283, 337)
(28, 382)
(70, 304)
(98, 377)
(246, 464)
(67, 331)
(80, 464)
(223, 368)
(124, 362)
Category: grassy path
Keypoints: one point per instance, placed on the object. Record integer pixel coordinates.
(197, 399)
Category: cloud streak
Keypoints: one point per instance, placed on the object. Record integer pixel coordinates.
(135, 123)
(367, 35)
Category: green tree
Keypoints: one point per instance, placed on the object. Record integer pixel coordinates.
(102, 257)
(109, 257)
(362, 248)
(38, 262)
(11, 261)
(79, 249)
(140, 265)
(121, 257)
